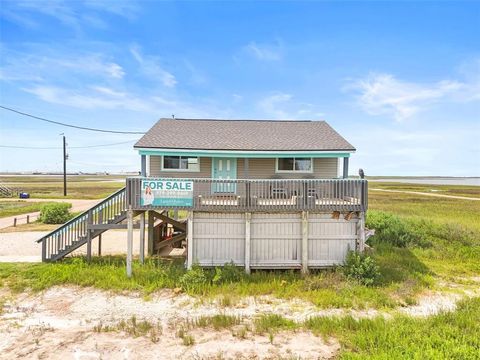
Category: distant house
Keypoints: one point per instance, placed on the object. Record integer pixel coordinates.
(258, 193)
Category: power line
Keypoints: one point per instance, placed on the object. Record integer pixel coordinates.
(59, 147)
(69, 125)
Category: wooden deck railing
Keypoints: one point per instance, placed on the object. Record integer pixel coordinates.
(273, 195)
(74, 233)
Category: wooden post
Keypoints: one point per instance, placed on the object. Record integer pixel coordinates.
(14, 222)
(361, 232)
(142, 238)
(304, 242)
(248, 219)
(129, 240)
(100, 245)
(345, 167)
(89, 235)
(151, 220)
(44, 250)
(28, 219)
(143, 165)
(190, 240)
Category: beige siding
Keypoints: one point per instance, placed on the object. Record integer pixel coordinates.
(205, 169)
(323, 168)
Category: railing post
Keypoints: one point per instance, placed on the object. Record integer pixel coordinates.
(247, 194)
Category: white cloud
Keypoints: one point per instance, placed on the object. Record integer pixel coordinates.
(73, 14)
(380, 94)
(265, 52)
(125, 8)
(283, 106)
(33, 66)
(99, 98)
(150, 66)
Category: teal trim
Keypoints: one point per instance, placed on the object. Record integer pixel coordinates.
(251, 155)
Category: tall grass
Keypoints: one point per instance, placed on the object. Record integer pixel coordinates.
(450, 335)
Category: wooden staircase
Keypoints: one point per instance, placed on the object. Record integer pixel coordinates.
(84, 228)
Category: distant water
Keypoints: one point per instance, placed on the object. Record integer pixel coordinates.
(471, 181)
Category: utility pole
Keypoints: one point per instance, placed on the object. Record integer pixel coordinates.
(64, 166)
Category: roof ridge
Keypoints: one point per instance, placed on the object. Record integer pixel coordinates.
(252, 120)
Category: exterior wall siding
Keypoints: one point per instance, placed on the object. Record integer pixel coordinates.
(323, 168)
(330, 239)
(205, 169)
(218, 238)
(275, 239)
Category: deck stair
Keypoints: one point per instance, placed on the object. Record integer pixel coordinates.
(82, 229)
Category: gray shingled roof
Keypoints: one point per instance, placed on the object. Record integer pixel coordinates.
(254, 135)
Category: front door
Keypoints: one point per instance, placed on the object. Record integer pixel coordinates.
(224, 169)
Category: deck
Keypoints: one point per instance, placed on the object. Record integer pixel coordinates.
(271, 195)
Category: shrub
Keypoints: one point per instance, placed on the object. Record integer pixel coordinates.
(361, 268)
(194, 280)
(57, 213)
(228, 274)
(392, 229)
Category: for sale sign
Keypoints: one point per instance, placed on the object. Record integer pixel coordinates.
(166, 192)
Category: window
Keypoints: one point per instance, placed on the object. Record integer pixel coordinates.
(181, 163)
(294, 165)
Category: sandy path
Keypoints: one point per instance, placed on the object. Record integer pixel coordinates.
(426, 194)
(77, 205)
(22, 246)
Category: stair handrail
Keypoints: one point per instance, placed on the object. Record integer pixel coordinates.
(73, 220)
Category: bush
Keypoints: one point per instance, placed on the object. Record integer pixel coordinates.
(229, 273)
(194, 280)
(57, 213)
(394, 230)
(361, 268)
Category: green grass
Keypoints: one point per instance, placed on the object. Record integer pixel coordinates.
(451, 335)
(456, 190)
(462, 213)
(450, 248)
(78, 187)
(134, 328)
(217, 322)
(324, 289)
(272, 323)
(19, 207)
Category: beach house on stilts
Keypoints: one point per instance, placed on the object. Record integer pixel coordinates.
(258, 193)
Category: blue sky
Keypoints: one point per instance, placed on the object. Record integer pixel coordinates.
(401, 81)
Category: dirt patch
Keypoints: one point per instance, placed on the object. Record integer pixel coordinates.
(64, 322)
(60, 324)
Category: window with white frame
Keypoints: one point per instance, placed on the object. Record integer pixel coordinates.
(294, 165)
(181, 163)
